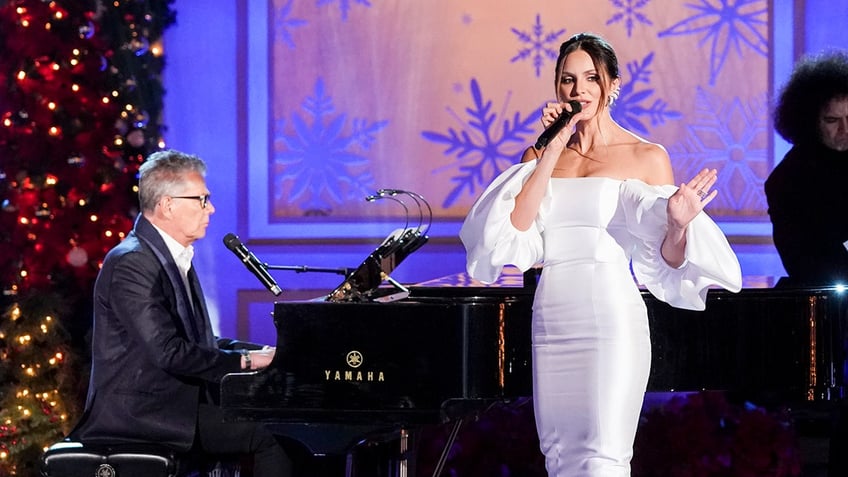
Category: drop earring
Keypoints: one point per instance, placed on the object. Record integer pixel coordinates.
(613, 95)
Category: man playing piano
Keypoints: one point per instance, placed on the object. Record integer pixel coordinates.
(155, 361)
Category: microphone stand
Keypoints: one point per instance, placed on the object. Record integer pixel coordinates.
(305, 269)
(361, 283)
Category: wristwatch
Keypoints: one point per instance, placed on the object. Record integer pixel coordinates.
(247, 362)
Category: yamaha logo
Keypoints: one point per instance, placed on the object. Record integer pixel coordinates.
(354, 359)
(105, 470)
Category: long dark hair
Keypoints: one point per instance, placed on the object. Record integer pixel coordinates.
(814, 81)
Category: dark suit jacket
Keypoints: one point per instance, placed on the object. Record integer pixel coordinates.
(151, 353)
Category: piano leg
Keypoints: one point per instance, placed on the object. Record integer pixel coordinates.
(384, 455)
(446, 450)
(400, 459)
(403, 463)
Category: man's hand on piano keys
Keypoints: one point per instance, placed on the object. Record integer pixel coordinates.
(258, 358)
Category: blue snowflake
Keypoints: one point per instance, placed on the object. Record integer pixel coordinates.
(628, 108)
(733, 138)
(320, 162)
(344, 5)
(283, 24)
(478, 141)
(628, 13)
(537, 45)
(732, 23)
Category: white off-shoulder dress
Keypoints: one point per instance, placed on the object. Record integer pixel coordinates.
(591, 343)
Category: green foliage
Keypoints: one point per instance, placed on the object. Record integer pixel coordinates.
(80, 106)
(39, 376)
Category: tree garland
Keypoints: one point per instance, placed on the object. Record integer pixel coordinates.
(80, 104)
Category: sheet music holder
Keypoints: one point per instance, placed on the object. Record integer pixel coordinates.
(364, 283)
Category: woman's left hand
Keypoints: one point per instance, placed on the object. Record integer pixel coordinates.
(691, 198)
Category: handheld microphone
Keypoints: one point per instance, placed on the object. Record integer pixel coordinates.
(558, 124)
(252, 263)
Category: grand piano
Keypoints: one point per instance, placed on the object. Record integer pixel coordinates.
(346, 372)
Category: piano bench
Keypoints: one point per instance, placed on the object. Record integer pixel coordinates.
(73, 459)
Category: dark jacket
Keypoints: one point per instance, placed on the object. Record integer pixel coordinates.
(151, 354)
(807, 197)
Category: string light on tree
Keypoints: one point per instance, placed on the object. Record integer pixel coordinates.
(73, 71)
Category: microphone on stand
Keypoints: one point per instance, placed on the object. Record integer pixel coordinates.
(252, 263)
(414, 237)
(558, 124)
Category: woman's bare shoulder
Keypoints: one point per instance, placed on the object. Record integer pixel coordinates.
(530, 154)
(650, 151)
(653, 162)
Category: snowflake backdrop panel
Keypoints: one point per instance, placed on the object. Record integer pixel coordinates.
(438, 96)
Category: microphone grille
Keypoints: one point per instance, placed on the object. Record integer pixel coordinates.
(231, 241)
(575, 106)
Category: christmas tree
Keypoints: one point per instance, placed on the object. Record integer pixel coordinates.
(80, 102)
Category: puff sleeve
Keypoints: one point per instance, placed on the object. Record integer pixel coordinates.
(709, 259)
(490, 239)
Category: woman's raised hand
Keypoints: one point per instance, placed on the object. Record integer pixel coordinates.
(552, 111)
(691, 198)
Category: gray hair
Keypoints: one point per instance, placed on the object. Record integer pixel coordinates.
(163, 173)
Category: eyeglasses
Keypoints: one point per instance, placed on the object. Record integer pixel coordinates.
(204, 199)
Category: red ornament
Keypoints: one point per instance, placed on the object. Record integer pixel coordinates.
(136, 138)
(77, 257)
